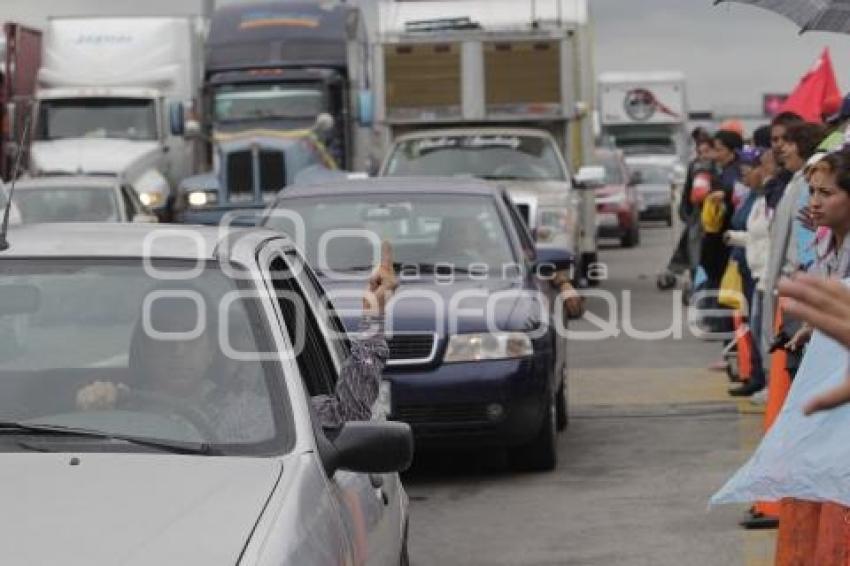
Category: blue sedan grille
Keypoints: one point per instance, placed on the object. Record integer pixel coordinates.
(411, 348)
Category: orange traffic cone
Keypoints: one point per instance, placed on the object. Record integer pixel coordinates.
(766, 514)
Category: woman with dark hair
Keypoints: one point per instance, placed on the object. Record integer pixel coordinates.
(714, 253)
(799, 144)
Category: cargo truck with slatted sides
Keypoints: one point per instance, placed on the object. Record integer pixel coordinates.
(494, 68)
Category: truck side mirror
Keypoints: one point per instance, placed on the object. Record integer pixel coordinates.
(366, 108)
(175, 119)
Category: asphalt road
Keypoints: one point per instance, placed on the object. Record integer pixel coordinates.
(653, 435)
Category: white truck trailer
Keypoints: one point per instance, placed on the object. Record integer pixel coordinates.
(119, 96)
(644, 113)
(490, 63)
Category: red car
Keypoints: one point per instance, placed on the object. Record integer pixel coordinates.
(617, 200)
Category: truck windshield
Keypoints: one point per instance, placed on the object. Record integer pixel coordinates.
(258, 102)
(485, 156)
(120, 118)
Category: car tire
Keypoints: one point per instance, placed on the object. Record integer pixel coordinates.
(562, 409)
(541, 454)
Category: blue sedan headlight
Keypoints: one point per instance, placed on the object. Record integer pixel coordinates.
(489, 346)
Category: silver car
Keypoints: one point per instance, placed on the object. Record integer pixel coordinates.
(655, 177)
(77, 198)
(155, 406)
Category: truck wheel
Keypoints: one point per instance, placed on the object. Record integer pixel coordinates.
(541, 454)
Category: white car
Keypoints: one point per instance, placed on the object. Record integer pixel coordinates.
(656, 176)
(77, 198)
(526, 161)
(153, 408)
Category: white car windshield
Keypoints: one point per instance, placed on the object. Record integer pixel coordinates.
(652, 174)
(123, 348)
(78, 204)
(485, 156)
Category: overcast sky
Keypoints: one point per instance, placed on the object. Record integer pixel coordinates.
(730, 53)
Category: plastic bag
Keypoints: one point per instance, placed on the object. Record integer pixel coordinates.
(731, 287)
(803, 457)
(701, 187)
(713, 211)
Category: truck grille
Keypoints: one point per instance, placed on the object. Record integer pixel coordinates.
(272, 171)
(240, 174)
(411, 348)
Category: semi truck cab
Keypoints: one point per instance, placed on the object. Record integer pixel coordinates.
(104, 131)
(278, 66)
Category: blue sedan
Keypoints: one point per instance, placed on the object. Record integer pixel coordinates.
(476, 353)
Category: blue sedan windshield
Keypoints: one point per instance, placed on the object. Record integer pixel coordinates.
(343, 233)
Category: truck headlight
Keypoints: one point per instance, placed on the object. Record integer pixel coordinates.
(202, 198)
(488, 346)
(151, 200)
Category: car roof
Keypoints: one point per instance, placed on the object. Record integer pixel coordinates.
(480, 131)
(110, 240)
(460, 185)
(66, 182)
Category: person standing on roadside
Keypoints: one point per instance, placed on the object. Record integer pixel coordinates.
(749, 237)
(714, 253)
(799, 144)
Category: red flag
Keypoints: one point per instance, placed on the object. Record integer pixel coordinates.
(817, 93)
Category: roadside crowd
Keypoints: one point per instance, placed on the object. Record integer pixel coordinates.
(766, 226)
(759, 211)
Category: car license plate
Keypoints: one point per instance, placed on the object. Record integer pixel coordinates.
(607, 219)
(384, 403)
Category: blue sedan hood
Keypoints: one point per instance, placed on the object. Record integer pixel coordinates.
(460, 306)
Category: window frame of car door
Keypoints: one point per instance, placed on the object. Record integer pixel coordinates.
(127, 203)
(348, 483)
(522, 234)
